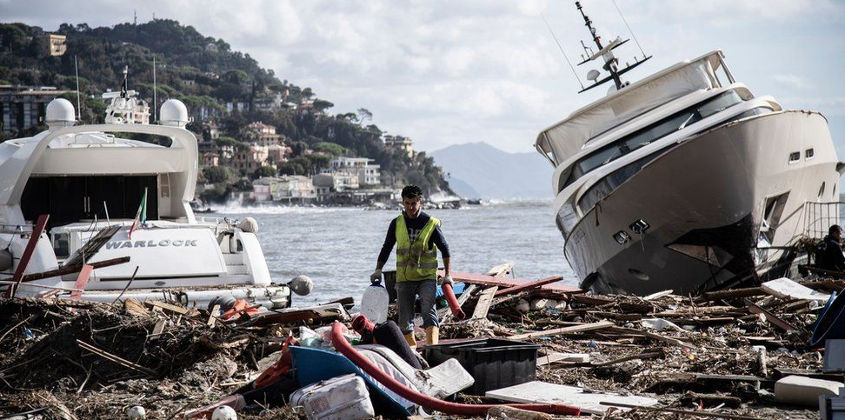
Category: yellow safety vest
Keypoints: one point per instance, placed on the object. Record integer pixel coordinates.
(415, 261)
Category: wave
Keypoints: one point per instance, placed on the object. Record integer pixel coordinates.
(238, 208)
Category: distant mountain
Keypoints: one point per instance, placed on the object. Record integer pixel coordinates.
(479, 170)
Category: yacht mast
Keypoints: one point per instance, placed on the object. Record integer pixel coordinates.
(609, 60)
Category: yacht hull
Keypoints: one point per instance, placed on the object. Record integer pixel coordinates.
(704, 201)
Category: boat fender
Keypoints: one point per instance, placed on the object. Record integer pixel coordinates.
(301, 285)
(5, 259)
(249, 225)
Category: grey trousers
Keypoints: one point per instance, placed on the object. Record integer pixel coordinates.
(406, 295)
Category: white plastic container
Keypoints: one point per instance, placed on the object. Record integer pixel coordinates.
(340, 398)
(374, 303)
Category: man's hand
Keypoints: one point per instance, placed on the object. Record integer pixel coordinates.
(376, 276)
(447, 279)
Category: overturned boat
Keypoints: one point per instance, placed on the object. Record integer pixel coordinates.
(116, 190)
(686, 180)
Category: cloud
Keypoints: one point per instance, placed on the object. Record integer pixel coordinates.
(448, 72)
(790, 80)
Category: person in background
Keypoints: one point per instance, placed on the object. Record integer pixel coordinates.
(417, 237)
(829, 252)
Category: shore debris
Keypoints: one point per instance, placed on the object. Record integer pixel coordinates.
(734, 354)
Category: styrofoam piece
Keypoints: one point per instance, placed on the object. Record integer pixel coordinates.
(587, 401)
(224, 412)
(340, 398)
(801, 390)
(660, 324)
(786, 288)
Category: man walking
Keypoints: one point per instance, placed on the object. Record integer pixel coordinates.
(415, 234)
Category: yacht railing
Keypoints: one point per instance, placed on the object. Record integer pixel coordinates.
(819, 216)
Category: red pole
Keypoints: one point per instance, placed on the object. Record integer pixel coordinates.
(457, 312)
(27, 254)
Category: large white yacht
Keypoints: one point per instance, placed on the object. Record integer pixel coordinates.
(686, 180)
(91, 180)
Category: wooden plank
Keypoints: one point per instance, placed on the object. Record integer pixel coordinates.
(554, 357)
(655, 336)
(500, 270)
(544, 392)
(658, 295)
(81, 282)
(484, 280)
(528, 286)
(67, 270)
(770, 317)
(91, 246)
(484, 301)
(565, 330)
(167, 306)
(27, 254)
(212, 317)
(134, 307)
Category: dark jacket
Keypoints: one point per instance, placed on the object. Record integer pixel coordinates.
(829, 255)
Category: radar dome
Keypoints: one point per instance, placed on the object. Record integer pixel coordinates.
(174, 113)
(60, 113)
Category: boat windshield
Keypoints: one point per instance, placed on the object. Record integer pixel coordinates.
(653, 132)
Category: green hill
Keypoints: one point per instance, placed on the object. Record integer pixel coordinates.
(206, 74)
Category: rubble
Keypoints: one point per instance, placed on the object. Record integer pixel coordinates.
(717, 355)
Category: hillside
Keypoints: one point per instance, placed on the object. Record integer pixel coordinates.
(493, 173)
(216, 83)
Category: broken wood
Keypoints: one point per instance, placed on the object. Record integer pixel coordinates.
(565, 330)
(167, 306)
(116, 359)
(73, 269)
(679, 411)
(81, 282)
(770, 317)
(528, 286)
(485, 299)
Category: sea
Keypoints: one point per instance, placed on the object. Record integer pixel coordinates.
(338, 247)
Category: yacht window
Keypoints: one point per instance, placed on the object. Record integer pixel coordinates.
(61, 245)
(566, 219)
(607, 184)
(653, 132)
(794, 157)
(809, 153)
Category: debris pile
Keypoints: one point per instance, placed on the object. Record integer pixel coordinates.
(723, 354)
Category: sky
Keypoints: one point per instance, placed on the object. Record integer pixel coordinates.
(452, 72)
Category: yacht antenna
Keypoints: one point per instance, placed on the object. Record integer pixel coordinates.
(629, 28)
(609, 61)
(155, 102)
(78, 108)
(125, 88)
(561, 51)
(606, 53)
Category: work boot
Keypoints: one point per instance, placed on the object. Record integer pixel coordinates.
(412, 341)
(432, 335)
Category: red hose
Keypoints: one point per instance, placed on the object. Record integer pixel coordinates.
(457, 312)
(339, 343)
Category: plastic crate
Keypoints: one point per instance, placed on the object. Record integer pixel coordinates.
(494, 363)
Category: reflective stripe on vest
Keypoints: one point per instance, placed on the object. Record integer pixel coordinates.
(415, 261)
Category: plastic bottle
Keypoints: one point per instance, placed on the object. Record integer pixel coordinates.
(374, 303)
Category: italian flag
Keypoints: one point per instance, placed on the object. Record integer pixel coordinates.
(140, 215)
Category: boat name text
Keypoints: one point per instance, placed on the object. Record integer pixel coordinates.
(151, 244)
